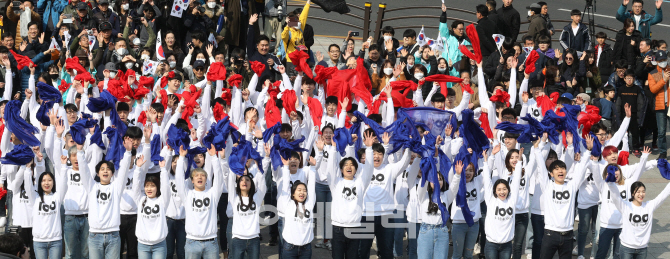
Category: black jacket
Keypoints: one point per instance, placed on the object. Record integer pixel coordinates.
(485, 29)
(497, 19)
(623, 49)
(606, 62)
(512, 20)
(579, 42)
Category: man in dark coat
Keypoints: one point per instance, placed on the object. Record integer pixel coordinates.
(485, 29)
(237, 15)
(511, 18)
(604, 56)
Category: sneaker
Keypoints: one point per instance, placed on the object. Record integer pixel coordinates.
(574, 252)
(273, 241)
(329, 246)
(577, 218)
(476, 250)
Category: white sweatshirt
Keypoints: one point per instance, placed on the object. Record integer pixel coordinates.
(298, 219)
(380, 191)
(278, 176)
(501, 221)
(447, 197)
(151, 225)
(348, 194)
(47, 212)
(245, 209)
(104, 206)
(474, 198)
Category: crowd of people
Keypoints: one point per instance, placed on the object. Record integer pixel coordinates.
(151, 129)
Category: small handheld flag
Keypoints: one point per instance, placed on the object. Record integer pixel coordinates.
(159, 47)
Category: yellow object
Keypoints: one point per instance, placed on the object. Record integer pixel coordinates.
(296, 37)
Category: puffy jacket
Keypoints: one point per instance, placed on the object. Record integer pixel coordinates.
(646, 21)
(537, 26)
(51, 9)
(579, 42)
(605, 63)
(657, 87)
(110, 17)
(451, 53)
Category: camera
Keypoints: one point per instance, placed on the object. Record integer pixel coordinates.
(137, 19)
(201, 9)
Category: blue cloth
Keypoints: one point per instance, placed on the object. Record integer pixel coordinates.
(42, 114)
(240, 154)
(156, 149)
(15, 124)
(267, 134)
(664, 167)
(48, 92)
(96, 138)
(116, 149)
(597, 147)
(538, 128)
(105, 102)
(78, 130)
(20, 155)
(342, 138)
(177, 138)
(282, 148)
(611, 172)
(524, 130)
(473, 135)
(436, 120)
(218, 134)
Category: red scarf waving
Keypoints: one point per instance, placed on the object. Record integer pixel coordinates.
(363, 76)
(288, 101)
(216, 72)
(471, 31)
(84, 77)
(316, 111)
(443, 80)
(339, 86)
(401, 100)
(22, 61)
(73, 63)
(218, 112)
(118, 90)
(374, 109)
(235, 80)
(63, 86)
(545, 104)
(500, 96)
(272, 112)
(165, 79)
(484, 118)
(403, 84)
(589, 118)
(142, 119)
(226, 95)
(190, 102)
(323, 74)
(530, 62)
(299, 60)
(257, 67)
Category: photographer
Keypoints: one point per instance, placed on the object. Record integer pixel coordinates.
(84, 20)
(11, 246)
(145, 26)
(102, 14)
(196, 21)
(15, 16)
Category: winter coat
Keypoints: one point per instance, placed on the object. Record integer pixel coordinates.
(512, 19)
(623, 49)
(646, 20)
(579, 42)
(51, 9)
(658, 88)
(537, 26)
(235, 23)
(486, 28)
(606, 61)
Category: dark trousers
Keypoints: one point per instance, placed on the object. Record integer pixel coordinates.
(343, 246)
(538, 233)
(560, 242)
(127, 233)
(26, 235)
(223, 221)
(649, 124)
(520, 226)
(384, 238)
(634, 131)
(482, 232)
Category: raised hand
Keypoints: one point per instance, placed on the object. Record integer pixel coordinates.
(658, 4)
(448, 130)
(182, 151)
(147, 134)
(459, 167)
(128, 143)
(320, 143)
(368, 140)
(211, 150)
(627, 108)
(140, 161)
(386, 138)
(646, 150)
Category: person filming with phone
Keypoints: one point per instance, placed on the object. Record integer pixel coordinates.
(15, 14)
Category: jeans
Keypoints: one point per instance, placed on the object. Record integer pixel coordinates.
(537, 221)
(10, 220)
(223, 221)
(607, 237)
(157, 251)
(297, 252)
(344, 245)
(520, 226)
(270, 198)
(323, 200)
(176, 238)
(433, 241)
(252, 248)
(229, 233)
(498, 251)
(48, 250)
(75, 237)
(412, 235)
(399, 234)
(560, 242)
(128, 238)
(630, 253)
(464, 239)
(280, 240)
(661, 123)
(104, 245)
(587, 222)
(206, 249)
(384, 238)
(482, 231)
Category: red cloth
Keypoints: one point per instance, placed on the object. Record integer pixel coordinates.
(235, 80)
(323, 74)
(338, 86)
(116, 88)
(21, 61)
(361, 86)
(190, 102)
(218, 112)
(442, 80)
(273, 90)
(545, 104)
(128, 74)
(63, 86)
(84, 77)
(142, 119)
(146, 81)
(363, 77)
(164, 98)
(288, 101)
(226, 95)
(530, 62)
(140, 92)
(554, 97)
(316, 111)
(73, 63)
(3, 192)
(401, 100)
(484, 118)
(471, 31)
(272, 113)
(403, 84)
(466, 88)
(589, 118)
(501, 96)
(623, 158)
(299, 60)
(165, 79)
(257, 67)
(374, 109)
(217, 71)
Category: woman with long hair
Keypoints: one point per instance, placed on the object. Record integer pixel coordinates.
(591, 81)
(571, 70)
(464, 237)
(298, 199)
(627, 46)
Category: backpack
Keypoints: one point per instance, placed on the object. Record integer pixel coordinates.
(281, 48)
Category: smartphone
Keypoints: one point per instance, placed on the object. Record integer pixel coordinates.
(68, 18)
(355, 33)
(16, 5)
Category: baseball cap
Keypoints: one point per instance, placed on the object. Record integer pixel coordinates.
(105, 26)
(110, 66)
(82, 6)
(568, 95)
(535, 7)
(101, 2)
(661, 55)
(198, 63)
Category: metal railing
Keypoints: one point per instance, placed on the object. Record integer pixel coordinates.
(367, 9)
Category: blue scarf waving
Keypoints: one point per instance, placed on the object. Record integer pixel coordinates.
(156, 149)
(79, 129)
(218, 134)
(17, 125)
(20, 155)
(282, 148)
(240, 154)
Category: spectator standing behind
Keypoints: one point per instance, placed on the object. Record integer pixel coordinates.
(388, 48)
(643, 20)
(238, 14)
(260, 51)
(537, 25)
(71, 8)
(633, 95)
(22, 20)
(52, 10)
(576, 35)
(486, 28)
(511, 18)
(374, 62)
(604, 55)
(334, 57)
(308, 31)
(102, 13)
(606, 107)
(294, 35)
(151, 12)
(658, 85)
(495, 17)
(626, 46)
(544, 11)
(122, 9)
(455, 37)
(274, 11)
(83, 20)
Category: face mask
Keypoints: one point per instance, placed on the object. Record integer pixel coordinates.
(173, 64)
(299, 26)
(129, 65)
(125, 6)
(54, 76)
(200, 59)
(530, 13)
(145, 57)
(387, 38)
(418, 76)
(136, 41)
(211, 5)
(410, 65)
(441, 69)
(388, 71)
(121, 51)
(663, 64)
(112, 74)
(653, 62)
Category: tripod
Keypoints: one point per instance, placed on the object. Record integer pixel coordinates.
(589, 12)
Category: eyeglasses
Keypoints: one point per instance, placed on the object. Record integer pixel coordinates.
(568, 58)
(335, 51)
(198, 69)
(602, 135)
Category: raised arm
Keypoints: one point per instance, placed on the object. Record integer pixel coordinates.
(180, 174)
